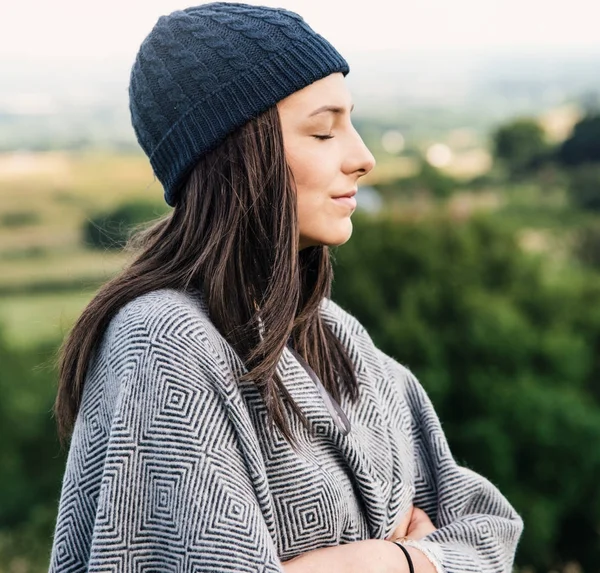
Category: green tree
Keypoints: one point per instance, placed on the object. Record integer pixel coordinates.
(510, 358)
(112, 229)
(520, 145)
(429, 180)
(588, 244)
(584, 186)
(584, 144)
(31, 461)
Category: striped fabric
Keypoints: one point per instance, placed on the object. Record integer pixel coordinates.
(172, 466)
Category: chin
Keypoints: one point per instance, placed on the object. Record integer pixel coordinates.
(332, 238)
(339, 241)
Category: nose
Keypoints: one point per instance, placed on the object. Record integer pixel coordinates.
(359, 159)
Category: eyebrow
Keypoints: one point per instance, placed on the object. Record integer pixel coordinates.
(330, 108)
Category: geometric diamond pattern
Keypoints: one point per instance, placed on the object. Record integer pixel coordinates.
(173, 467)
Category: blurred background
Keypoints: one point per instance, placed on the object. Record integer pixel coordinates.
(475, 258)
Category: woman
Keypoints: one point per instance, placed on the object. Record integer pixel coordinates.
(226, 415)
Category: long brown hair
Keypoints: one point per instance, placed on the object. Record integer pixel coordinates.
(233, 234)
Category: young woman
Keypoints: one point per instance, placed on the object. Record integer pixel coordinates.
(224, 413)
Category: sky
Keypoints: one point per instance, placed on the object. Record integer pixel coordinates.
(79, 30)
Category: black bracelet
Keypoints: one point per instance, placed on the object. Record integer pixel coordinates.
(410, 563)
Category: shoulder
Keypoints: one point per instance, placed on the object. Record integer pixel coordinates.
(159, 369)
(340, 319)
(160, 307)
(166, 322)
(160, 314)
(346, 325)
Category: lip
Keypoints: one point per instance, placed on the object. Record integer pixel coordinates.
(350, 194)
(346, 200)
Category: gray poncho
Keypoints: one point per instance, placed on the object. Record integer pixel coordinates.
(172, 466)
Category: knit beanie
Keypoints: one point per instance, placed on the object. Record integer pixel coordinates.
(204, 71)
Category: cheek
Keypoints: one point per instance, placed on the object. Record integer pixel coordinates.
(320, 220)
(311, 169)
(315, 171)
(313, 186)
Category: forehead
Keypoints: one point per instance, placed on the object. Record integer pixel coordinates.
(331, 90)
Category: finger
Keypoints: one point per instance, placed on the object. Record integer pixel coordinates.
(419, 513)
(420, 525)
(421, 531)
(402, 528)
(416, 518)
(419, 516)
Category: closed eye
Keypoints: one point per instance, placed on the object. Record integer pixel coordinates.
(323, 137)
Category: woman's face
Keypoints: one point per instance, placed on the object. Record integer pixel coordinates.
(326, 156)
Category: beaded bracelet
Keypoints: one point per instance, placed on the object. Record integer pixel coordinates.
(408, 558)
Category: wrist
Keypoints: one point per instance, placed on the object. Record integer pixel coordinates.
(392, 558)
(407, 555)
(421, 563)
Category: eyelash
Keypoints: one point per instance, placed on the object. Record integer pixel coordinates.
(323, 137)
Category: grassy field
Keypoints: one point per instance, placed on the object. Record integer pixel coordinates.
(31, 319)
(47, 274)
(45, 197)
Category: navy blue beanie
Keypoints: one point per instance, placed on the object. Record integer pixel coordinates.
(204, 71)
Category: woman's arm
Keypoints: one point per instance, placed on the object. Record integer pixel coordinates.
(373, 555)
(369, 556)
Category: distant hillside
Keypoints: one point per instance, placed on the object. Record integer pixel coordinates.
(49, 106)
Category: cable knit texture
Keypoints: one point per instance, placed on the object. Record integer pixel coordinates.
(204, 71)
(172, 466)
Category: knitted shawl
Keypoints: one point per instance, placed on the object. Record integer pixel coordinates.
(172, 465)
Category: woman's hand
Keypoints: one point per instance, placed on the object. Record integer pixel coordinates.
(420, 525)
(414, 525)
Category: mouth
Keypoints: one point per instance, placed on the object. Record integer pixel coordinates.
(350, 194)
(347, 200)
